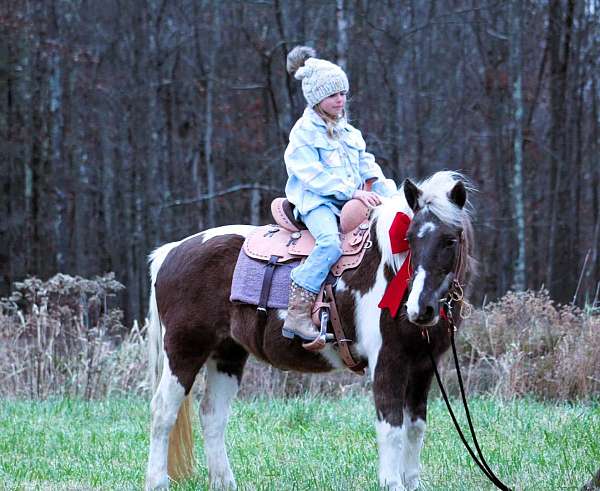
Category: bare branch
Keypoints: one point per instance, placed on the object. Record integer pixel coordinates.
(232, 189)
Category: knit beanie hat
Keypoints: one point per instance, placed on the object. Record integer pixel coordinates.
(320, 78)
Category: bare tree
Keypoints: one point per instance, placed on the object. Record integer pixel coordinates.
(516, 60)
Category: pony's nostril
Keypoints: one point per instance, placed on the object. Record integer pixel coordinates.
(426, 316)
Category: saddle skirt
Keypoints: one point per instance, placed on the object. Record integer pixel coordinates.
(289, 245)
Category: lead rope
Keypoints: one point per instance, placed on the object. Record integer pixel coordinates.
(496, 479)
(483, 465)
(456, 425)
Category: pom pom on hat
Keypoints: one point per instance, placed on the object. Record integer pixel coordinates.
(320, 78)
(297, 57)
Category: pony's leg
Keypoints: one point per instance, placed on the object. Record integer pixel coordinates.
(415, 414)
(223, 376)
(389, 443)
(164, 406)
(389, 385)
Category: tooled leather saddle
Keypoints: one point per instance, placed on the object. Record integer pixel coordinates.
(288, 239)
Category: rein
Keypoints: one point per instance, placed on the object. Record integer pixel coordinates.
(455, 295)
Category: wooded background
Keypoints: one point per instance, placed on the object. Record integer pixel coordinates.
(125, 124)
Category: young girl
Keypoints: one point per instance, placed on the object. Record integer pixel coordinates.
(327, 165)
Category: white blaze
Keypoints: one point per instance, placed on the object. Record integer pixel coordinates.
(426, 227)
(412, 304)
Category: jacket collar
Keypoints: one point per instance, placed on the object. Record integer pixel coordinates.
(310, 113)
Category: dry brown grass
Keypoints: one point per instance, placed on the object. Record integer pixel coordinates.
(60, 337)
(524, 344)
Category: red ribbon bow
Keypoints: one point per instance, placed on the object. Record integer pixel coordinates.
(394, 293)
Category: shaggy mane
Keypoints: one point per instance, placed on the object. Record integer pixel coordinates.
(435, 199)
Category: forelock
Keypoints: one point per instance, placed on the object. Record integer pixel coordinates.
(435, 197)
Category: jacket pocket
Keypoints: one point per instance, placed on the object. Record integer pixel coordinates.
(351, 149)
(329, 152)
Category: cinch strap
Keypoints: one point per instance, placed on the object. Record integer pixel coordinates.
(266, 284)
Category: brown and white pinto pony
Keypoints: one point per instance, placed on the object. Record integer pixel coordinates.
(194, 325)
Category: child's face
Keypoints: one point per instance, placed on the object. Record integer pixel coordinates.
(334, 104)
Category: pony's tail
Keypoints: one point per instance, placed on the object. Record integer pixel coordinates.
(155, 343)
(180, 463)
(181, 448)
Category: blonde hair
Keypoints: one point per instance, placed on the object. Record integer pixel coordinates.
(330, 121)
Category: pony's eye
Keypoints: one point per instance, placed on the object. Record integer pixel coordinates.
(449, 242)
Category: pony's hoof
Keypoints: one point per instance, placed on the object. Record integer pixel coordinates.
(412, 484)
(227, 484)
(392, 485)
(156, 483)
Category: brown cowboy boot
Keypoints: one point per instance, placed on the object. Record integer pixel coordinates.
(299, 318)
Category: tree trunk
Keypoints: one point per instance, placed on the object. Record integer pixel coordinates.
(208, 121)
(559, 199)
(342, 35)
(516, 64)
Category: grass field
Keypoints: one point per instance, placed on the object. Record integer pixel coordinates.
(299, 444)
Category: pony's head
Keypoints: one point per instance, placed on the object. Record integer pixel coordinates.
(439, 238)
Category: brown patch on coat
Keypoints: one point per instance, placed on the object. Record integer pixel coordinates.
(230, 358)
(262, 338)
(192, 293)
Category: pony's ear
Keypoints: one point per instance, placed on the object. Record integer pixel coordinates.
(458, 194)
(412, 194)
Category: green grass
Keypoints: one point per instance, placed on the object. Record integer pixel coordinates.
(301, 444)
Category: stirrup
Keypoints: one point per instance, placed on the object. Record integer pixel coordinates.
(311, 343)
(317, 343)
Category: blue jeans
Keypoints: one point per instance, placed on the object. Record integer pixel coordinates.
(323, 225)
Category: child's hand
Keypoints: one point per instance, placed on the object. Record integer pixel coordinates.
(367, 197)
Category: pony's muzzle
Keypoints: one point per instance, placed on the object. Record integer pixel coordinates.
(426, 316)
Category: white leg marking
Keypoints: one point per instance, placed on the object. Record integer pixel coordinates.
(414, 434)
(366, 318)
(389, 441)
(412, 304)
(214, 413)
(426, 227)
(165, 406)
